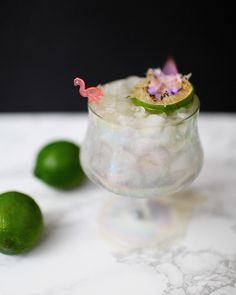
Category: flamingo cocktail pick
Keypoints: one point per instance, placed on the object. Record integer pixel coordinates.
(92, 93)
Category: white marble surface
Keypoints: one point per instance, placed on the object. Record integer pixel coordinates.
(74, 258)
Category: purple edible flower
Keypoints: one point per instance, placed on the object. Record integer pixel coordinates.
(165, 82)
(170, 67)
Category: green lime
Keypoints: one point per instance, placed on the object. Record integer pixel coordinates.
(168, 104)
(21, 223)
(58, 165)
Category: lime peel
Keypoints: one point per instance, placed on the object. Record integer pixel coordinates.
(159, 92)
(58, 165)
(21, 223)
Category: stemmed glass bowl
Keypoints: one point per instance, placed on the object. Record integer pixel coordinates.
(141, 162)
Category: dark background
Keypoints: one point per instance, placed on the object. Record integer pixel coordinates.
(45, 44)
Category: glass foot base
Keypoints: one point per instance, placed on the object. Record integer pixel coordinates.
(140, 222)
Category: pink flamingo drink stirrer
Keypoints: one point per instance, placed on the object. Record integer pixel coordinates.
(92, 93)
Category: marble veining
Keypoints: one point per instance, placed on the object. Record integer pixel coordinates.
(73, 258)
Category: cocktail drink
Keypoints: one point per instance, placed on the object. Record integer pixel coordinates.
(142, 139)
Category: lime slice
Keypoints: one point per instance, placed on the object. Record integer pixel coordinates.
(168, 104)
(21, 223)
(58, 165)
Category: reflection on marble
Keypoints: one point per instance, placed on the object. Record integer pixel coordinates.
(73, 258)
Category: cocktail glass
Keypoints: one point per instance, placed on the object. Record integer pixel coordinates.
(142, 163)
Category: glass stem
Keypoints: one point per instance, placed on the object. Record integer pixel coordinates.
(142, 209)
